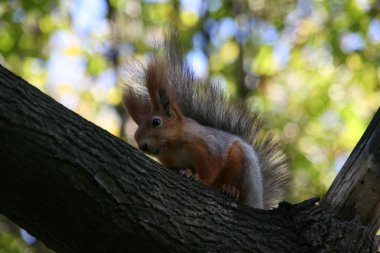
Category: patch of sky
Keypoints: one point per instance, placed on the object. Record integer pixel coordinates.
(195, 6)
(63, 67)
(244, 29)
(199, 41)
(107, 79)
(156, 1)
(281, 53)
(86, 15)
(211, 26)
(198, 62)
(263, 32)
(18, 15)
(340, 161)
(330, 119)
(374, 31)
(351, 41)
(29, 239)
(268, 33)
(304, 7)
(214, 5)
(220, 31)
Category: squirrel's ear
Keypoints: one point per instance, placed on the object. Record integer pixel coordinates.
(160, 91)
(139, 106)
(168, 104)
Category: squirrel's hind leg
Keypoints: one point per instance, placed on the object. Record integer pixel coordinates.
(230, 191)
(233, 170)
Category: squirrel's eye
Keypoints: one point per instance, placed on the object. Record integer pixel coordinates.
(156, 122)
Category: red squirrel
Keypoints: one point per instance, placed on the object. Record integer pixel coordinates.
(192, 127)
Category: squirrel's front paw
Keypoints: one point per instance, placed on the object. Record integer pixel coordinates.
(230, 191)
(189, 174)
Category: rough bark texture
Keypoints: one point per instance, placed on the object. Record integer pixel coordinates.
(356, 189)
(79, 189)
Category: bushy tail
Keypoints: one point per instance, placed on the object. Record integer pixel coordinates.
(208, 104)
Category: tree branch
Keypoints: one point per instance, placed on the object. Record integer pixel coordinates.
(356, 189)
(79, 189)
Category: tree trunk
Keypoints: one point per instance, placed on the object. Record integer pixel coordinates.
(77, 188)
(356, 189)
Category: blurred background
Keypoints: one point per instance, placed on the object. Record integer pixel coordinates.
(310, 66)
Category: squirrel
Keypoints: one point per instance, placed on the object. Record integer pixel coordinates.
(192, 127)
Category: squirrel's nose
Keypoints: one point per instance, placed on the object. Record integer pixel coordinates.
(143, 146)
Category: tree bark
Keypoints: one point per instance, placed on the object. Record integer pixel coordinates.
(77, 188)
(356, 189)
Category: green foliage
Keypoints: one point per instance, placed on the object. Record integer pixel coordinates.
(26, 27)
(11, 244)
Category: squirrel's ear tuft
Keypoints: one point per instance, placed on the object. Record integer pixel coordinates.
(164, 99)
(138, 104)
(160, 90)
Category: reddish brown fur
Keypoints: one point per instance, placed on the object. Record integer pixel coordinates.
(207, 166)
(171, 142)
(220, 171)
(233, 168)
(157, 80)
(162, 104)
(137, 110)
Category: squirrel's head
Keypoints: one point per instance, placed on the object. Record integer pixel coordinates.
(156, 112)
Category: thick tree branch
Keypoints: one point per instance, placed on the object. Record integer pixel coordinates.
(80, 189)
(356, 189)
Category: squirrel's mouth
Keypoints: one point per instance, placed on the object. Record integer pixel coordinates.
(152, 151)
